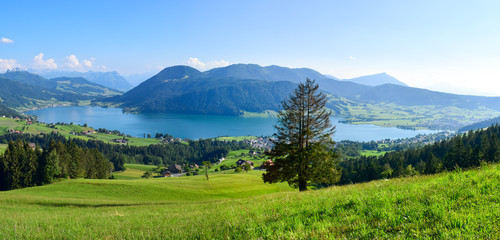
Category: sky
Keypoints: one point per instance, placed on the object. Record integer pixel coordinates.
(450, 46)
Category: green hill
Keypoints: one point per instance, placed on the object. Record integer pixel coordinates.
(23, 90)
(453, 205)
(82, 86)
(240, 88)
(111, 80)
(19, 95)
(183, 89)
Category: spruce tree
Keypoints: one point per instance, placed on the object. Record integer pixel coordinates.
(304, 149)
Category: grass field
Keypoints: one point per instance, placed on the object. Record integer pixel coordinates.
(2, 148)
(133, 171)
(239, 138)
(372, 153)
(234, 156)
(456, 205)
(65, 130)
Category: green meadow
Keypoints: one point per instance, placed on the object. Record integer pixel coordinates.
(66, 130)
(453, 205)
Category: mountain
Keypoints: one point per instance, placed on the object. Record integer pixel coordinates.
(376, 80)
(240, 88)
(269, 73)
(29, 79)
(78, 85)
(8, 112)
(108, 79)
(409, 96)
(295, 75)
(19, 95)
(182, 89)
(24, 90)
(480, 125)
(81, 86)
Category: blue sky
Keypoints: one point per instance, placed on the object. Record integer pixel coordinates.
(451, 46)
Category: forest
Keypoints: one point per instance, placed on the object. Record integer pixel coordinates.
(467, 150)
(24, 165)
(156, 154)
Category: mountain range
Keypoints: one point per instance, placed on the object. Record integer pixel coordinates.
(376, 80)
(108, 79)
(240, 88)
(22, 90)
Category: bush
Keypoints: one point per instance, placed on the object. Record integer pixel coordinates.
(216, 169)
(146, 174)
(237, 169)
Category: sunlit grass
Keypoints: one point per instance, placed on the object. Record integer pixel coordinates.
(457, 205)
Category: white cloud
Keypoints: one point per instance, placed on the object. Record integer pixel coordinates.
(352, 58)
(6, 40)
(203, 66)
(87, 63)
(71, 61)
(7, 64)
(40, 63)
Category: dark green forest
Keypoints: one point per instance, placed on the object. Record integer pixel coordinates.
(23, 165)
(156, 154)
(468, 150)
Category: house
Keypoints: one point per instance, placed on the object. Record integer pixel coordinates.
(194, 166)
(266, 163)
(175, 168)
(120, 140)
(166, 173)
(243, 162)
(240, 162)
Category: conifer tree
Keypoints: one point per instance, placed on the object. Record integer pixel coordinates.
(304, 149)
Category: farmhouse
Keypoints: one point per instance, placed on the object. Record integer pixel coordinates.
(120, 140)
(243, 162)
(175, 168)
(166, 173)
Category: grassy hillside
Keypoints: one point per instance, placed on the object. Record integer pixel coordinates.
(457, 205)
(66, 130)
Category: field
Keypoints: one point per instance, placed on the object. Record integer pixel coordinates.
(2, 148)
(66, 130)
(133, 171)
(413, 117)
(455, 205)
(234, 156)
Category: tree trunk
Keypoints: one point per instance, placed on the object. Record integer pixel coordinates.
(302, 184)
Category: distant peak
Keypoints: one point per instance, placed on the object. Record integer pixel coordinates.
(377, 80)
(179, 71)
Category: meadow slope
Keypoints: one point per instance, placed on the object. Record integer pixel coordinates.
(460, 204)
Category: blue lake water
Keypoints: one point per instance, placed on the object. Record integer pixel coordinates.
(200, 126)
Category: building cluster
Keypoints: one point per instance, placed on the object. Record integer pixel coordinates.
(260, 143)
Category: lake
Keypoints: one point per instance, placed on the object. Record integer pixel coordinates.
(200, 126)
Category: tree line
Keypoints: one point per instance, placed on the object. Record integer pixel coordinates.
(462, 151)
(156, 154)
(23, 165)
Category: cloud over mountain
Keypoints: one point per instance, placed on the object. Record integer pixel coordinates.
(40, 63)
(203, 66)
(6, 64)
